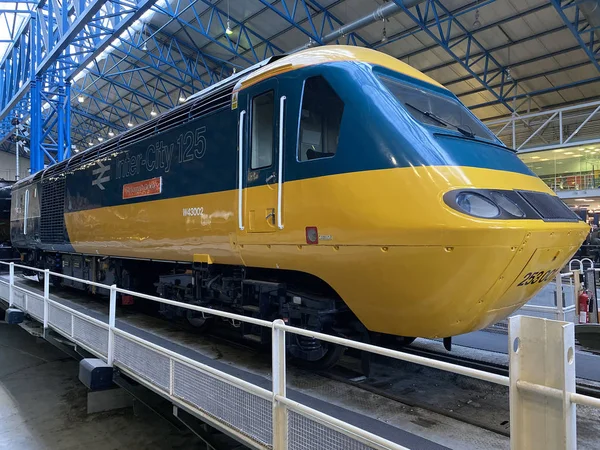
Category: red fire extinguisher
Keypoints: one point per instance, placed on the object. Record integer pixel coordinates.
(583, 299)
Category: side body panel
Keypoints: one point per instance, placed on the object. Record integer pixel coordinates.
(162, 198)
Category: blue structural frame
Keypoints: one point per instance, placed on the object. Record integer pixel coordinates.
(125, 71)
(582, 31)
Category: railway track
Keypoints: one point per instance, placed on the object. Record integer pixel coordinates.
(499, 369)
(354, 377)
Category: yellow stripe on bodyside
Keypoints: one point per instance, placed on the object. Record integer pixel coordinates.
(160, 229)
(402, 206)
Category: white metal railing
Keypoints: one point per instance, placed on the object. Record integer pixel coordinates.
(580, 263)
(542, 402)
(550, 129)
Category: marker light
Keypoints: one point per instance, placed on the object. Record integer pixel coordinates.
(477, 205)
(507, 205)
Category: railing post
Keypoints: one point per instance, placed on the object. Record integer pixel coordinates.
(280, 416)
(46, 296)
(542, 353)
(559, 298)
(11, 284)
(577, 289)
(112, 311)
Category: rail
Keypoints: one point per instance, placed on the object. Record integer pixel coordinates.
(541, 378)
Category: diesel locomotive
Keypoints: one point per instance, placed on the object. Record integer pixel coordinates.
(337, 188)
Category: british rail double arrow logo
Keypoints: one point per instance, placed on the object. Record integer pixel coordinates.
(100, 171)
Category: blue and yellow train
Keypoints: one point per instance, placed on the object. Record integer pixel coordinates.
(337, 188)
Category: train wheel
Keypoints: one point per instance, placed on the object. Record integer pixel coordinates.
(314, 354)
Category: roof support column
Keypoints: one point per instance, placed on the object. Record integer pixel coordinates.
(37, 154)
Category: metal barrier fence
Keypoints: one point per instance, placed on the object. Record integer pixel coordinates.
(541, 379)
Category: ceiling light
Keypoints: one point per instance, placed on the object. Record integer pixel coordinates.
(91, 144)
(476, 22)
(228, 30)
(100, 139)
(578, 156)
(559, 162)
(81, 99)
(568, 153)
(535, 157)
(145, 47)
(558, 151)
(587, 151)
(76, 150)
(153, 113)
(182, 98)
(544, 159)
(111, 133)
(591, 148)
(129, 124)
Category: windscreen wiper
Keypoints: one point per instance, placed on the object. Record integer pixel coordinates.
(441, 121)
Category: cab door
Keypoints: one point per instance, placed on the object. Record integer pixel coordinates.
(264, 171)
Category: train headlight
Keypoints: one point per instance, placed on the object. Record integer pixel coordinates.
(507, 204)
(477, 205)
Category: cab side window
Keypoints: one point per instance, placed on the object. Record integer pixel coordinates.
(320, 120)
(262, 130)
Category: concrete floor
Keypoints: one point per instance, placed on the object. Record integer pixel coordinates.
(43, 405)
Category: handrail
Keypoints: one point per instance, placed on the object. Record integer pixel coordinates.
(241, 170)
(441, 365)
(280, 165)
(202, 309)
(211, 311)
(493, 378)
(561, 345)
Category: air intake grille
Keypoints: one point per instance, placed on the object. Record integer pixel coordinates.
(551, 208)
(53, 211)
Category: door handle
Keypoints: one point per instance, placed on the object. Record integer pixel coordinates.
(270, 178)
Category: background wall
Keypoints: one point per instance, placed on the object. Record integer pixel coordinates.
(8, 163)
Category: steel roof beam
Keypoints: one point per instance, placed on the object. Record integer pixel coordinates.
(532, 94)
(531, 61)
(63, 38)
(217, 18)
(502, 47)
(159, 55)
(530, 77)
(439, 24)
(457, 13)
(298, 12)
(569, 12)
